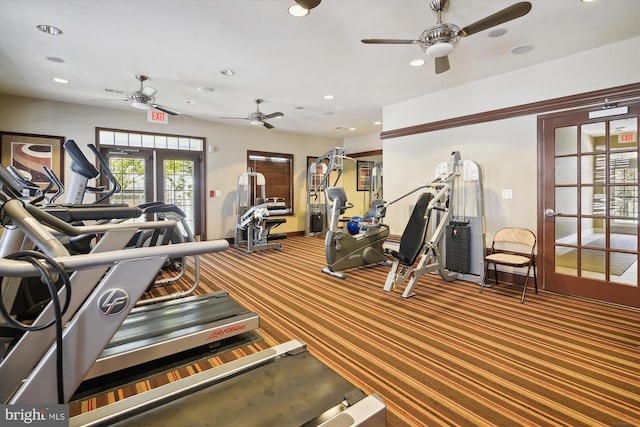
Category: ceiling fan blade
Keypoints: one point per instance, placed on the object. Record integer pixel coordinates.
(148, 91)
(274, 115)
(233, 118)
(166, 110)
(110, 100)
(512, 12)
(442, 64)
(388, 41)
(267, 125)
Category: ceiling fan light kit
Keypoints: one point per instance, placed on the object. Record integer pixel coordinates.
(439, 49)
(302, 7)
(140, 105)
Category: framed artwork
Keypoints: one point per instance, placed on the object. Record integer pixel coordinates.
(363, 175)
(29, 153)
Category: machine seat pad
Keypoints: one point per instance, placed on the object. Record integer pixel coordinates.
(277, 236)
(412, 240)
(275, 221)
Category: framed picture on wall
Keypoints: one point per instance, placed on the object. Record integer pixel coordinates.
(363, 175)
(28, 153)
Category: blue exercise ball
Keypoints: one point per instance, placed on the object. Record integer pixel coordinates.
(353, 228)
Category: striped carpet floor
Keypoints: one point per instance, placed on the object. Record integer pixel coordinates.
(448, 356)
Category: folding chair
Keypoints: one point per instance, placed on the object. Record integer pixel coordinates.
(513, 247)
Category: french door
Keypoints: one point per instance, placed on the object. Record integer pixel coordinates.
(170, 176)
(590, 203)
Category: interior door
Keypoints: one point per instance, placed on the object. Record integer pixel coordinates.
(590, 202)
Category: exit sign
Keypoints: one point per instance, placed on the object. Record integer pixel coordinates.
(157, 116)
(627, 137)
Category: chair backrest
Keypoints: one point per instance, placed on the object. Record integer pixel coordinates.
(514, 239)
(415, 232)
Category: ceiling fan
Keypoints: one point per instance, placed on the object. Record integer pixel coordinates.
(438, 41)
(258, 118)
(143, 98)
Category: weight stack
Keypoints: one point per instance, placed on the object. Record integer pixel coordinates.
(458, 247)
(317, 222)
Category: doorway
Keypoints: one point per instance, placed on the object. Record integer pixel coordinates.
(156, 167)
(590, 203)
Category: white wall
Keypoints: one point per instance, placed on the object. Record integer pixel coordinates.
(224, 164)
(506, 150)
(363, 143)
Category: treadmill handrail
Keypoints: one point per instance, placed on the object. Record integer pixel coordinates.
(34, 227)
(88, 261)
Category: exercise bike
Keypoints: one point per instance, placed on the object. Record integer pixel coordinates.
(344, 250)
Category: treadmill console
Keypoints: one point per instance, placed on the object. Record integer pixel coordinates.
(10, 184)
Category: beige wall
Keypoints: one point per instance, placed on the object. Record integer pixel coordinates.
(224, 163)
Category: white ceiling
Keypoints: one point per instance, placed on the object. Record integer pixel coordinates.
(289, 62)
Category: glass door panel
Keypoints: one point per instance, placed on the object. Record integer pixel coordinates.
(591, 208)
(179, 187)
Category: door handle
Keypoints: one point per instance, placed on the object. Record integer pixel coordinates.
(550, 213)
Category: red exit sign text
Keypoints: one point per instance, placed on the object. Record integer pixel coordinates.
(156, 116)
(627, 137)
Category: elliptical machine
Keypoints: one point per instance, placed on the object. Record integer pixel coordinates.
(344, 250)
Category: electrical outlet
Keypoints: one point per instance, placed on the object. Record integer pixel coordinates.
(507, 193)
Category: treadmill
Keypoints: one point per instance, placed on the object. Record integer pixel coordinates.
(282, 386)
(157, 330)
(163, 329)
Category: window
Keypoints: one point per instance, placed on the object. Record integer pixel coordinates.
(277, 169)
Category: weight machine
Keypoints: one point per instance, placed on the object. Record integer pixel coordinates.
(253, 214)
(460, 255)
(319, 178)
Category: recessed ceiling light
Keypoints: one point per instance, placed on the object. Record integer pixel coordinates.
(377, 123)
(587, 1)
(206, 89)
(328, 97)
(497, 32)
(298, 11)
(55, 59)
(227, 72)
(49, 29)
(417, 63)
(60, 80)
(525, 48)
(298, 108)
(352, 128)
